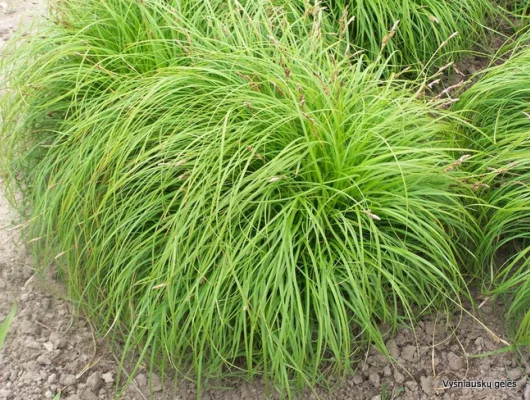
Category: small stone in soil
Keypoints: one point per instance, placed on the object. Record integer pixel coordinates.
(94, 381)
(141, 380)
(45, 303)
(44, 359)
(28, 328)
(58, 340)
(357, 379)
(392, 348)
(454, 362)
(515, 374)
(155, 383)
(48, 346)
(108, 377)
(379, 360)
(409, 353)
(427, 384)
(6, 394)
(398, 377)
(68, 380)
(411, 385)
(490, 345)
(375, 379)
(88, 395)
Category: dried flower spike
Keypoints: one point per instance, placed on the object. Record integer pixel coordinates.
(276, 178)
(372, 215)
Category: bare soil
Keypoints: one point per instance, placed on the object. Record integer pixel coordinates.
(50, 349)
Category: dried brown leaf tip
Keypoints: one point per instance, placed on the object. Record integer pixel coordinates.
(458, 71)
(372, 215)
(276, 178)
(478, 185)
(250, 81)
(324, 86)
(314, 129)
(432, 18)
(159, 286)
(174, 164)
(433, 83)
(444, 43)
(308, 8)
(344, 22)
(286, 69)
(403, 71)
(301, 97)
(274, 40)
(443, 68)
(449, 88)
(277, 88)
(309, 118)
(504, 170)
(256, 154)
(188, 37)
(457, 163)
(183, 176)
(390, 34)
(447, 103)
(316, 11)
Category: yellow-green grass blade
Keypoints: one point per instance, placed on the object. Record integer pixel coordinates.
(6, 324)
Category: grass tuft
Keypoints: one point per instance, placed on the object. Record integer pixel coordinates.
(246, 201)
(414, 33)
(498, 106)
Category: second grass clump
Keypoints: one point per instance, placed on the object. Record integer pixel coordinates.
(498, 108)
(413, 33)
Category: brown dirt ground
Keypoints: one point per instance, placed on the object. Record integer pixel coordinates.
(50, 349)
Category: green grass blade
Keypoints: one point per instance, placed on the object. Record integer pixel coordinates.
(6, 324)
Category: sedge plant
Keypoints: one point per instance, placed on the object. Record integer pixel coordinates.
(251, 201)
(413, 33)
(498, 107)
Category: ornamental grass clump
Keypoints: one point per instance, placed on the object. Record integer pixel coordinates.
(251, 201)
(498, 105)
(414, 33)
(520, 8)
